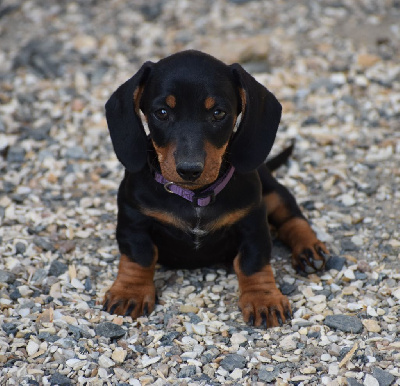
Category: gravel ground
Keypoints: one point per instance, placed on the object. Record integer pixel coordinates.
(334, 65)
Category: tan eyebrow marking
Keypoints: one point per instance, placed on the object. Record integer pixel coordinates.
(209, 103)
(171, 101)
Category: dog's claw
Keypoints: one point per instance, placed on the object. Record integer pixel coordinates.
(279, 318)
(130, 309)
(251, 320)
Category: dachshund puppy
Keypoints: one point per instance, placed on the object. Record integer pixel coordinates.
(193, 134)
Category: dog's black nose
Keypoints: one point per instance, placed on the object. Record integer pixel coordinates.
(190, 171)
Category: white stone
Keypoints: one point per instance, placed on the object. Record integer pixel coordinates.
(317, 299)
(238, 338)
(32, 348)
(105, 362)
(147, 361)
(289, 342)
(211, 276)
(347, 200)
(76, 283)
(357, 240)
(199, 329)
(326, 357)
(370, 381)
(333, 369)
(236, 374)
(396, 293)
(349, 274)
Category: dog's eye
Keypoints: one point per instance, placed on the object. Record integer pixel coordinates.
(219, 115)
(161, 114)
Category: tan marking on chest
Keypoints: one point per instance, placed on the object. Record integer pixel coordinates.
(228, 219)
(166, 218)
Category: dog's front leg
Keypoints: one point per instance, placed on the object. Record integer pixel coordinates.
(261, 302)
(133, 292)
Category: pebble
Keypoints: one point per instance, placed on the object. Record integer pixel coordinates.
(371, 325)
(383, 377)
(32, 348)
(106, 362)
(119, 355)
(233, 361)
(110, 330)
(345, 323)
(370, 381)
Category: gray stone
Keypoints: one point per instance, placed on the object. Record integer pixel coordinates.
(233, 361)
(335, 262)
(43, 243)
(383, 377)
(16, 154)
(187, 372)
(75, 153)
(109, 330)
(57, 268)
(268, 376)
(60, 380)
(353, 382)
(9, 328)
(6, 277)
(345, 323)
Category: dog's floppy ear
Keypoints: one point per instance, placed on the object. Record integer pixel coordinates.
(126, 129)
(261, 113)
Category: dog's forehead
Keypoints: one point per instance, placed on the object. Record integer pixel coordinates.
(189, 71)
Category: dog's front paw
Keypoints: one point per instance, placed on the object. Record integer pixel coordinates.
(131, 301)
(309, 256)
(265, 309)
(133, 292)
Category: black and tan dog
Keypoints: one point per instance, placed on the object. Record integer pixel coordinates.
(196, 190)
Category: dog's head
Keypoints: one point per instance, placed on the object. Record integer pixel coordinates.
(198, 112)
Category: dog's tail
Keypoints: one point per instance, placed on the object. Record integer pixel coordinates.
(281, 158)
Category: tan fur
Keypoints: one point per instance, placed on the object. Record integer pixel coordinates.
(171, 101)
(209, 103)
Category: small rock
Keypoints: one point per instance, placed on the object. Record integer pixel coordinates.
(396, 293)
(349, 274)
(371, 325)
(60, 380)
(347, 200)
(75, 153)
(16, 154)
(9, 328)
(238, 338)
(268, 374)
(367, 60)
(233, 361)
(187, 372)
(44, 244)
(119, 355)
(32, 348)
(383, 377)
(186, 308)
(335, 262)
(105, 362)
(6, 277)
(109, 330)
(289, 342)
(370, 381)
(345, 323)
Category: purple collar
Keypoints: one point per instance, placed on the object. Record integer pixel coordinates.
(204, 198)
